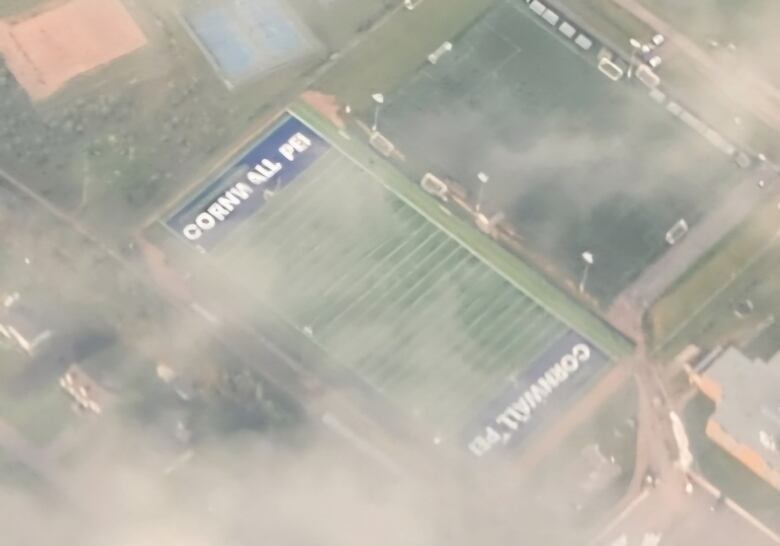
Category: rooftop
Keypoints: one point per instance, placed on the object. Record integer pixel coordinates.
(749, 405)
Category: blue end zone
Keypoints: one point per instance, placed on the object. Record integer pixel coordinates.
(245, 39)
(538, 395)
(269, 166)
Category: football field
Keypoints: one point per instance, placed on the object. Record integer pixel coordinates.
(390, 297)
(388, 294)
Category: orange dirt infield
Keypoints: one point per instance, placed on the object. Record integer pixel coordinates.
(47, 48)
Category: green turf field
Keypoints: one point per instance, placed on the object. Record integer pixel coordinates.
(387, 294)
(576, 161)
(392, 288)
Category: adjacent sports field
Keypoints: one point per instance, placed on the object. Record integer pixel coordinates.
(576, 161)
(406, 307)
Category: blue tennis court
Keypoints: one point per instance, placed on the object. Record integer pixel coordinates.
(245, 39)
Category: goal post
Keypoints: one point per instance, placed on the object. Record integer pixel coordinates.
(381, 144)
(435, 186)
(677, 232)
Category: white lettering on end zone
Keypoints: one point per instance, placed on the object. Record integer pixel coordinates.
(521, 410)
(298, 143)
(218, 211)
(221, 208)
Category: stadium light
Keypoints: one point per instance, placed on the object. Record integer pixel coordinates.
(587, 257)
(635, 46)
(379, 100)
(483, 179)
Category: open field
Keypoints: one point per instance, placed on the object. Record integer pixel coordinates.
(700, 307)
(395, 49)
(402, 298)
(337, 22)
(117, 142)
(128, 134)
(577, 162)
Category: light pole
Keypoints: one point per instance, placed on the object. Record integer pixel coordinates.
(587, 257)
(483, 180)
(635, 46)
(379, 100)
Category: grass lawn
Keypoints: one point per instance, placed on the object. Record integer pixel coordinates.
(335, 23)
(394, 51)
(699, 307)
